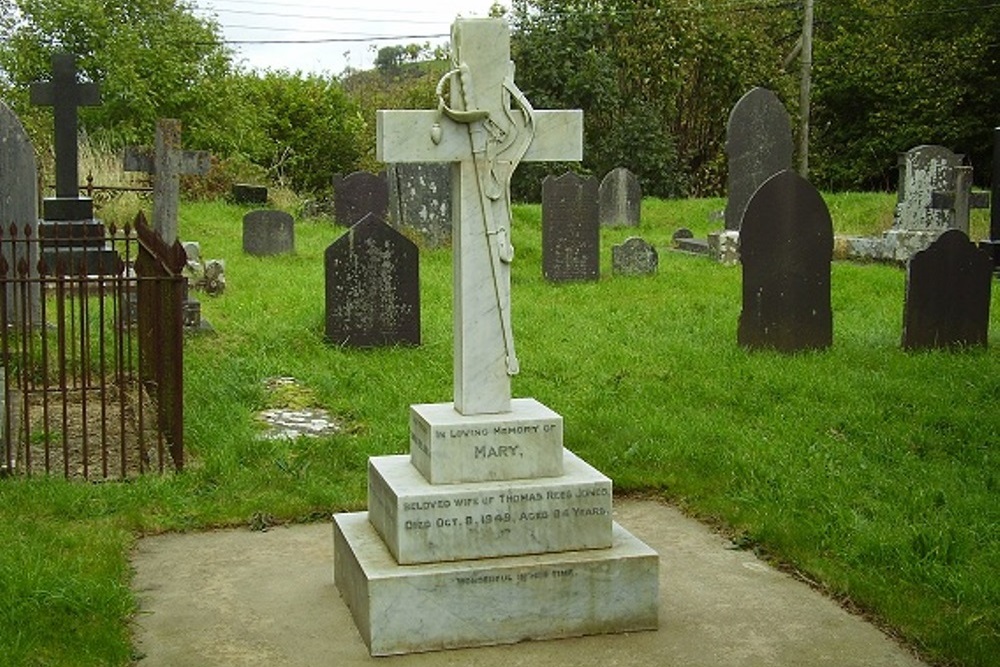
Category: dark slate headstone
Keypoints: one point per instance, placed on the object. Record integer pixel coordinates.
(246, 193)
(268, 232)
(420, 201)
(947, 295)
(372, 287)
(358, 195)
(620, 199)
(786, 246)
(18, 211)
(571, 235)
(758, 145)
(634, 257)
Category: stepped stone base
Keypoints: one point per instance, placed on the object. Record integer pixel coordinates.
(406, 609)
(422, 522)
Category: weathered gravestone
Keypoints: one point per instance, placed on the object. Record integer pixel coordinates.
(960, 200)
(620, 199)
(923, 171)
(420, 201)
(947, 295)
(634, 257)
(487, 476)
(758, 145)
(360, 194)
(372, 287)
(571, 234)
(18, 217)
(166, 164)
(71, 239)
(268, 232)
(786, 246)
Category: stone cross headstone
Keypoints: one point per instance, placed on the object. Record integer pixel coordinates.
(65, 95)
(947, 295)
(620, 199)
(571, 234)
(758, 145)
(166, 164)
(18, 214)
(372, 287)
(961, 200)
(484, 139)
(70, 239)
(360, 194)
(786, 247)
(634, 257)
(486, 476)
(268, 232)
(420, 201)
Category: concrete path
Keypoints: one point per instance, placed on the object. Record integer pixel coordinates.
(240, 597)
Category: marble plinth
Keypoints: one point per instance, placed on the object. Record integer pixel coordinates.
(406, 609)
(423, 523)
(448, 447)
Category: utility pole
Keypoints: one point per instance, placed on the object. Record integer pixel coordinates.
(804, 90)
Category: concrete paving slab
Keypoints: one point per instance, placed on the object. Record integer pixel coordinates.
(240, 597)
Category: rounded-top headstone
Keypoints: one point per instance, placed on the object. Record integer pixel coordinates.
(758, 145)
(786, 246)
(268, 232)
(620, 199)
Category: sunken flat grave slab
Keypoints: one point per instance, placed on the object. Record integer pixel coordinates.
(422, 522)
(448, 447)
(438, 606)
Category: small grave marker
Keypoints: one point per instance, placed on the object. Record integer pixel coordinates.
(758, 145)
(571, 235)
(620, 199)
(947, 295)
(247, 193)
(634, 257)
(358, 195)
(786, 246)
(372, 287)
(268, 232)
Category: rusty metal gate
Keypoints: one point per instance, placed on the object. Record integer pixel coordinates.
(91, 351)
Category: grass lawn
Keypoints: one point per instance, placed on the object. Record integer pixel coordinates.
(869, 470)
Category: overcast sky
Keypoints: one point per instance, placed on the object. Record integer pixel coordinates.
(327, 36)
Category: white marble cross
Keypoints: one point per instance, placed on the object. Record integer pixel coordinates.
(485, 129)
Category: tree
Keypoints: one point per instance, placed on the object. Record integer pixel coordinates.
(890, 76)
(655, 79)
(305, 129)
(153, 59)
